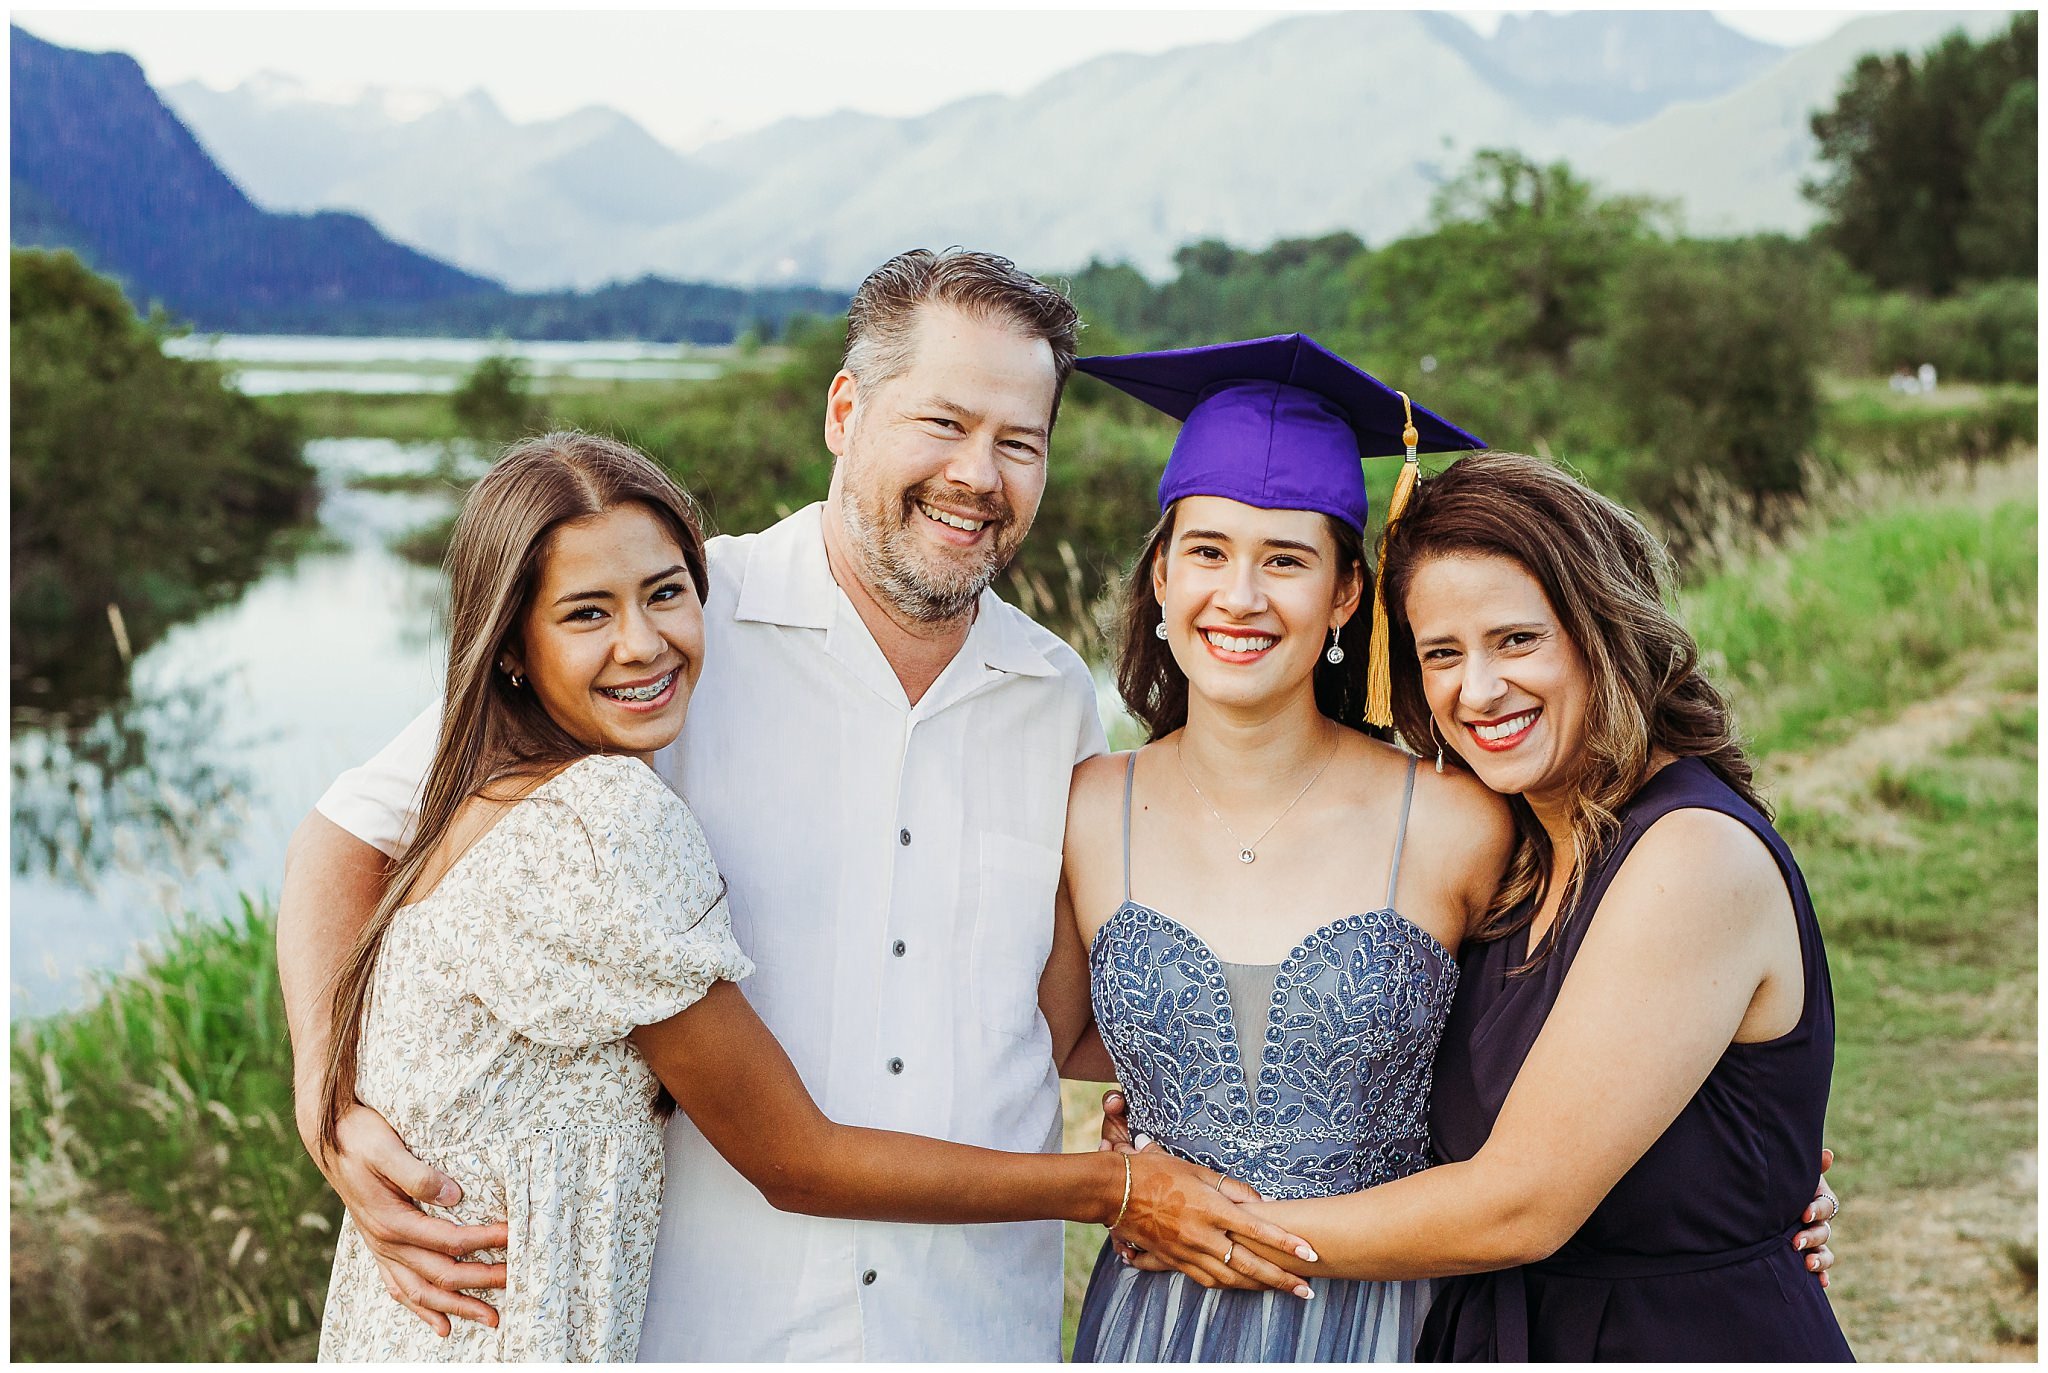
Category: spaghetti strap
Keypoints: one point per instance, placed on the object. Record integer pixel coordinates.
(1130, 776)
(1400, 835)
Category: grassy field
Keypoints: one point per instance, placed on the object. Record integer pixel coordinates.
(161, 1207)
(1882, 660)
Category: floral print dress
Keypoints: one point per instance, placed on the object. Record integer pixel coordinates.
(495, 1046)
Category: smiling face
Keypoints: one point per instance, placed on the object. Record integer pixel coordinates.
(613, 640)
(1506, 686)
(1249, 597)
(941, 466)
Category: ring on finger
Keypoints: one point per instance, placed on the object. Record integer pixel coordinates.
(1228, 1250)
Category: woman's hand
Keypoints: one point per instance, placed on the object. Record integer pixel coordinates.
(1813, 1241)
(1116, 1134)
(1820, 1218)
(419, 1255)
(1188, 1217)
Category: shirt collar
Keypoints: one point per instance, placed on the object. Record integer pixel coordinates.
(789, 582)
(1001, 638)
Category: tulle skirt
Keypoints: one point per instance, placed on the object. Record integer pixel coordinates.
(1135, 1317)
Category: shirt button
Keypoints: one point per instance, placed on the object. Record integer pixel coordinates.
(896, 1065)
(867, 1279)
(903, 838)
(898, 948)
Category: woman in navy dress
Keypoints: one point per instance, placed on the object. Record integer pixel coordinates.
(1632, 1082)
(1529, 605)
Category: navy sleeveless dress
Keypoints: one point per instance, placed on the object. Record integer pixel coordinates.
(1690, 1256)
(1334, 1098)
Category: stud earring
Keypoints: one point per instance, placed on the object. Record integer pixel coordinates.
(1160, 628)
(1335, 653)
(514, 678)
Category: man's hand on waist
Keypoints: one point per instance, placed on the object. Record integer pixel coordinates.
(420, 1255)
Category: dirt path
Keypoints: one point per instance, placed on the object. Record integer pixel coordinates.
(1932, 1273)
(1838, 778)
(1942, 1274)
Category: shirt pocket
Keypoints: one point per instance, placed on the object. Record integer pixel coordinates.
(1013, 926)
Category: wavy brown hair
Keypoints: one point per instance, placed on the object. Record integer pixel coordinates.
(492, 731)
(1605, 578)
(1156, 690)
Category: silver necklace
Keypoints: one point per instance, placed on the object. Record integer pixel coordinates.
(1247, 853)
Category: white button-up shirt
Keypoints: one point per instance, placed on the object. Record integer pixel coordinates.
(892, 870)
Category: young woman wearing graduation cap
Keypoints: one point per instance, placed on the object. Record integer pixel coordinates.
(1257, 1020)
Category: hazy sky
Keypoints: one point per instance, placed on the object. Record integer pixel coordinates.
(687, 77)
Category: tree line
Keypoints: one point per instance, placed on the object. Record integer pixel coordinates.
(1543, 313)
(139, 481)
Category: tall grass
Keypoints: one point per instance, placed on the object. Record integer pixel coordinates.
(1926, 886)
(1856, 617)
(161, 1204)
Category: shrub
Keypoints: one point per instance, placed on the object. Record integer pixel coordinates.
(137, 479)
(1987, 333)
(494, 400)
(1709, 356)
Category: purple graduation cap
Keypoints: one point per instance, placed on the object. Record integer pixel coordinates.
(1279, 423)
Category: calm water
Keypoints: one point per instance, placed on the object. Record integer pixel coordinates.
(186, 795)
(277, 364)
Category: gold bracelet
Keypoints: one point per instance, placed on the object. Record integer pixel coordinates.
(1127, 1196)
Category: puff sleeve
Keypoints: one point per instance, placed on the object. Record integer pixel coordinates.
(606, 911)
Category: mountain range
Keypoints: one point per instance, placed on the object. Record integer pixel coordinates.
(541, 205)
(98, 165)
(401, 213)
(1342, 120)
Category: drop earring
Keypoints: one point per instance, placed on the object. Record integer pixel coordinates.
(1160, 628)
(1439, 748)
(1335, 653)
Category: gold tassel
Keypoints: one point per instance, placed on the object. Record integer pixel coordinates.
(1379, 675)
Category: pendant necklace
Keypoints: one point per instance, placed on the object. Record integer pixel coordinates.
(1247, 853)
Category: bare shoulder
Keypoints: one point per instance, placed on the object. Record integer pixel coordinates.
(1697, 860)
(1455, 798)
(1096, 796)
(1468, 834)
(1456, 809)
(1092, 857)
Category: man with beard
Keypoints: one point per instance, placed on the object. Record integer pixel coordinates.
(879, 751)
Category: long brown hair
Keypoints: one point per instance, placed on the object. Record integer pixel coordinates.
(490, 728)
(1156, 690)
(1605, 578)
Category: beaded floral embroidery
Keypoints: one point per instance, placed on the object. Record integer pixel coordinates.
(1337, 1095)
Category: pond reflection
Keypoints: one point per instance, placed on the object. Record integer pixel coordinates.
(174, 785)
(147, 786)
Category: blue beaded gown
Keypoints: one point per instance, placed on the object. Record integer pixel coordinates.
(1334, 1097)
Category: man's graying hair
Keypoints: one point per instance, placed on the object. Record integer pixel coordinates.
(879, 324)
